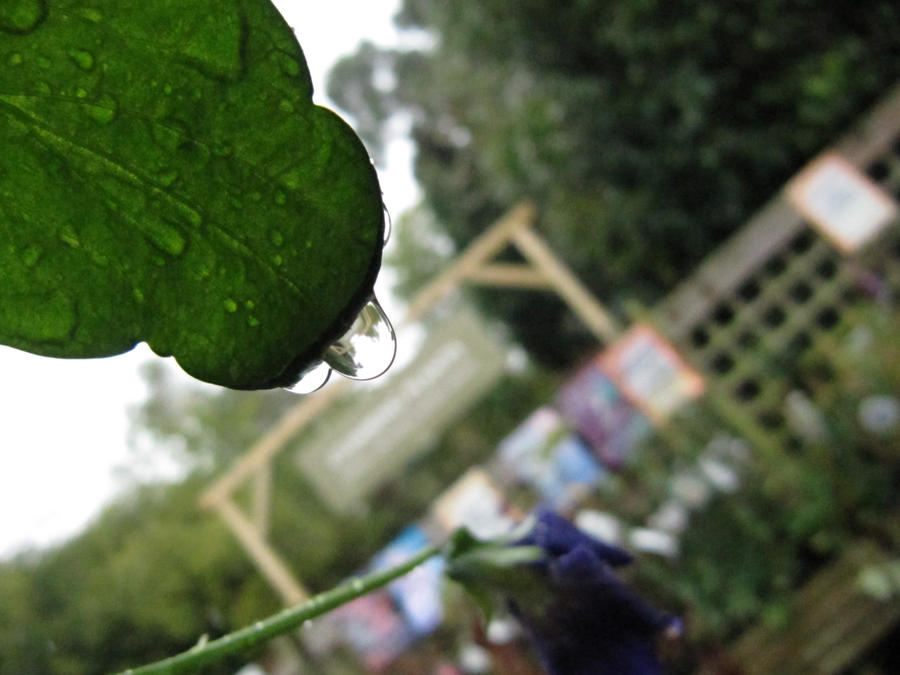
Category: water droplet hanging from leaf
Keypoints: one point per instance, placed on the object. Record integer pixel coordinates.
(131, 183)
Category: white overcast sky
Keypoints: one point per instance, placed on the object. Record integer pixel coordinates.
(63, 423)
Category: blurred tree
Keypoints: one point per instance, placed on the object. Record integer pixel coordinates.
(646, 131)
(146, 580)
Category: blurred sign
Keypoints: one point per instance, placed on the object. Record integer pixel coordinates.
(602, 415)
(373, 629)
(418, 593)
(843, 203)
(365, 443)
(542, 453)
(649, 371)
(474, 502)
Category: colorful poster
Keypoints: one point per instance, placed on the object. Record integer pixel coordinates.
(474, 502)
(650, 373)
(543, 453)
(373, 629)
(843, 203)
(417, 594)
(602, 415)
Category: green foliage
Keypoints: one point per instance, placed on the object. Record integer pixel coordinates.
(145, 581)
(166, 178)
(645, 132)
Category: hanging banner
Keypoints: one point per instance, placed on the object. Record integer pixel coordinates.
(843, 203)
(649, 371)
(363, 444)
(543, 454)
(475, 502)
(602, 415)
(417, 594)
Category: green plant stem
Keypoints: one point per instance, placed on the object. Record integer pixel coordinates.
(210, 652)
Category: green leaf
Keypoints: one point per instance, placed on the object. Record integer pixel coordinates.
(165, 177)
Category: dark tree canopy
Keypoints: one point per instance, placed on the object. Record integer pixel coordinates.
(646, 131)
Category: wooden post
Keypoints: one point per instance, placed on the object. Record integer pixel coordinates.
(267, 561)
(271, 443)
(482, 249)
(262, 495)
(567, 285)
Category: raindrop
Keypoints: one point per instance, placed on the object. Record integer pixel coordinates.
(31, 255)
(14, 59)
(82, 58)
(230, 305)
(20, 17)
(288, 64)
(388, 225)
(104, 110)
(68, 236)
(312, 379)
(166, 177)
(366, 350)
(90, 14)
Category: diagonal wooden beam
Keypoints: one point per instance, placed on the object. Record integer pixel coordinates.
(510, 275)
(267, 560)
(564, 282)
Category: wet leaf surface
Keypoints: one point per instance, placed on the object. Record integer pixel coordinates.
(165, 177)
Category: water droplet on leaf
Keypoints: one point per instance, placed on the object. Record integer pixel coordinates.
(312, 379)
(31, 255)
(14, 59)
(230, 305)
(167, 177)
(366, 350)
(388, 225)
(104, 110)
(20, 17)
(82, 58)
(288, 64)
(68, 236)
(90, 14)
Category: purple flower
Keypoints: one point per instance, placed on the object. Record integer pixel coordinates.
(589, 623)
